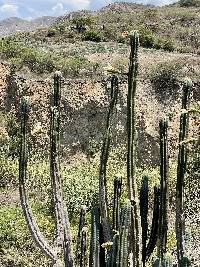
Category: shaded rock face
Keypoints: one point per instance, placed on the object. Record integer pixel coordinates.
(84, 110)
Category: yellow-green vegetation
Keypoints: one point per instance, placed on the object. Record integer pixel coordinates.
(80, 184)
(41, 61)
(171, 28)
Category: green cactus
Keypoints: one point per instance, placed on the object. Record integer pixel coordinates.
(124, 234)
(83, 248)
(81, 226)
(147, 249)
(144, 213)
(103, 201)
(116, 207)
(94, 260)
(131, 153)
(154, 225)
(166, 262)
(163, 218)
(62, 236)
(181, 169)
(185, 262)
(115, 251)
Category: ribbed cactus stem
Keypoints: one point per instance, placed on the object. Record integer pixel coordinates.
(32, 225)
(63, 234)
(124, 234)
(131, 154)
(181, 168)
(83, 254)
(103, 199)
(163, 217)
(116, 205)
(115, 251)
(81, 226)
(94, 260)
(144, 213)
(154, 225)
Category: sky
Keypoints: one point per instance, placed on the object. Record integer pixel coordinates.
(30, 9)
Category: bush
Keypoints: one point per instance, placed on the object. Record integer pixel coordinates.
(92, 35)
(147, 38)
(165, 77)
(189, 3)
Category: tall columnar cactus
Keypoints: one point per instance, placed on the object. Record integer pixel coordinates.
(144, 190)
(163, 218)
(116, 206)
(131, 154)
(63, 235)
(124, 234)
(79, 238)
(147, 248)
(103, 200)
(181, 168)
(83, 248)
(154, 225)
(95, 242)
(32, 225)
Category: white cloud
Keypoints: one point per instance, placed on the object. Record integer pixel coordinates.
(8, 10)
(78, 4)
(58, 10)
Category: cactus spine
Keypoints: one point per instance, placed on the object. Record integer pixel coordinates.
(131, 155)
(163, 218)
(181, 168)
(103, 201)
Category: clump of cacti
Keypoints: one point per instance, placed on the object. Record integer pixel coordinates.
(128, 241)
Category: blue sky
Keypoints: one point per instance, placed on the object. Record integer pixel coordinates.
(30, 9)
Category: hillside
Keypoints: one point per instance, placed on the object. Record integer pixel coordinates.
(12, 25)
(172, 28)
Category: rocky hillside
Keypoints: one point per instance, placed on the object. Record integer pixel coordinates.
(14, 24)
(85, 103)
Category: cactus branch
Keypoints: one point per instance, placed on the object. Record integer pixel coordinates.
(63, 234)
(181, 168)
(163, 218)
(131, 155)
(116, 207)
(103, 201)
(33, 227)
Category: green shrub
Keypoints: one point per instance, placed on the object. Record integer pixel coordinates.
(165, 77)
(16, 245)
(92, 35)
(189, 3)
(147, 38)
(51, 32)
